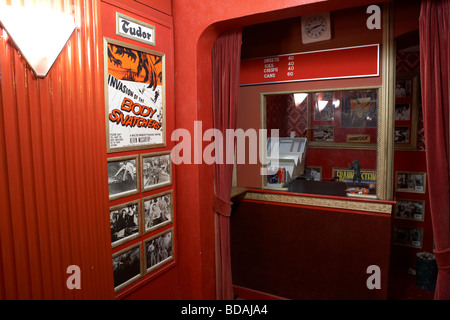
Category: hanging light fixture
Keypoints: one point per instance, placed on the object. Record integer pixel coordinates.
(39, 34)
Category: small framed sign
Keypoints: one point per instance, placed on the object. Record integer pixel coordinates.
(134, 29)
(358, 138)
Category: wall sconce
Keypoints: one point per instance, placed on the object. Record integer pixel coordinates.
(39, 34)
(299, 98)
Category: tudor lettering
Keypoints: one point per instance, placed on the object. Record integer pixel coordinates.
(133, 31)
(137, 30)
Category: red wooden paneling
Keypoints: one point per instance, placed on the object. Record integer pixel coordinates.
(53, 182)
(308, 253)
(157, 10)
(163, 282)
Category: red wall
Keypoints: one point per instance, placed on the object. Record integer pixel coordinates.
(54, 186)
(53, 190)
(53, 194)
(197, 25)
(308, 253)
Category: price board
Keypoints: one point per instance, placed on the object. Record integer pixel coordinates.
(350, 62)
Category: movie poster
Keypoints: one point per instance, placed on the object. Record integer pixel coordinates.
(346, 175)
(135, 96)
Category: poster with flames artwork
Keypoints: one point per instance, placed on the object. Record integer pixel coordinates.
(135, 97)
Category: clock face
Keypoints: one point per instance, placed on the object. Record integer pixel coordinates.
(316, 26)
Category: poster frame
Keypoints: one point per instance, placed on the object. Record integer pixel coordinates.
(108, 107)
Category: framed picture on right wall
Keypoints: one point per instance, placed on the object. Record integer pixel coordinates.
(408, 237)
(414, 182)
(409, 209)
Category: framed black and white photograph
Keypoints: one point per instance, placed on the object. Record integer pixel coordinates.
(156, 170)
(401, 135)
(125, 222)
(323, 133)
(407, 111)
(403, 88)
(410, 209)
(158, 211)
(324, 106)
(402, 112)
(127, 266)
(123, 176)
(414, 182)
(313, 173)
(408, 237)
(159, 250)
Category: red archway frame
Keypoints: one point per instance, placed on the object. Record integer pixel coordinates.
(201, 23)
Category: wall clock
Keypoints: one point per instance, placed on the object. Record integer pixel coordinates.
(316, 27)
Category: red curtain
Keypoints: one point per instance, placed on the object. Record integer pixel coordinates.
(435, 76)
(226, 57)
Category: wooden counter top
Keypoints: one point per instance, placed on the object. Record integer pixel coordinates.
(322, 194)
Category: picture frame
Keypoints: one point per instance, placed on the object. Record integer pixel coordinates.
(125, 222)
(409, 209)
(359, 108)
(123, 176)
(127, 266)
(323, 134)
(402, 135)
(313, 173)
(156, 170)
(358, 138)
(412, 182)
(402, 111)
(135, 94)
(324, 105)
(134, 29)
(159, 250)
(403, 88)
(407, 101)
(157, 211)
(408, 236)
